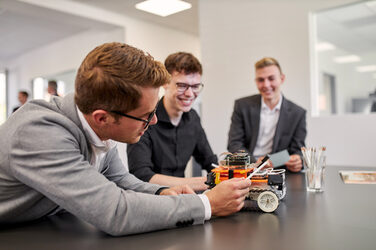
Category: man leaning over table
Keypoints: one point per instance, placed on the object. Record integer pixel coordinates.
(79, 170)
(163, 152)
(268, 122)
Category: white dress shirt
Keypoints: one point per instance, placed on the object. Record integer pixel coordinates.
(99, 147)
(268, 124)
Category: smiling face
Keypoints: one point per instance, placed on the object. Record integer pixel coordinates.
(269, 80)
(177, 101)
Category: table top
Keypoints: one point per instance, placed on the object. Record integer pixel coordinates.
(342, 217)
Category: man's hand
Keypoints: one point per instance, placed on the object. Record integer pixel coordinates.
(268, 165)
(228, 196)
(180, 189)
(295, 163)
(196, 183)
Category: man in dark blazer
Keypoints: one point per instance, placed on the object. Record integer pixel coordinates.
(268, 122)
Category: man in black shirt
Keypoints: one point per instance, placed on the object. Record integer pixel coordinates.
(164, 150)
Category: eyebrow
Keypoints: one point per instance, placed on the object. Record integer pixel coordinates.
(259, 78)
(189, 84)
(147, 113)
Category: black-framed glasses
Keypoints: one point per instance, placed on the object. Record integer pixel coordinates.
(147, 122)
(182, 87)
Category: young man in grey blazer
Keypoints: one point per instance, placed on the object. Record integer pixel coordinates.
(61, 155)
(268, 122)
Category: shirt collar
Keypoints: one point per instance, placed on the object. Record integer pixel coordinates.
(162, 114)
(276, 108)
(93, 138)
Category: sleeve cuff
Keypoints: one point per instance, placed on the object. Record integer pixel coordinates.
(207, 206)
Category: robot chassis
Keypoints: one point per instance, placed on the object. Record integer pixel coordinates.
(268, 185)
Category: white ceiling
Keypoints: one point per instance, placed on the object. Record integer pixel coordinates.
(186, 21)
(351, 28)
(25, 26)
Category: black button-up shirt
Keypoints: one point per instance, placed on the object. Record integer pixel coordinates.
(166, 149)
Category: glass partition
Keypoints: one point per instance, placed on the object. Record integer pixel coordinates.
(345, 59)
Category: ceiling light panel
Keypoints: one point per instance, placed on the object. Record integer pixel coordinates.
(347, 59)
(367, 68)
(163, 7)
(324, 46)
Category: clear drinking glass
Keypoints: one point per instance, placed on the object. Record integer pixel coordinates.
(314, 160)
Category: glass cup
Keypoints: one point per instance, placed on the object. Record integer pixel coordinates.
(314, 160)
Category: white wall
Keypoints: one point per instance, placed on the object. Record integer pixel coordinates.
(160, 41)
(235, 34)
(61, 56)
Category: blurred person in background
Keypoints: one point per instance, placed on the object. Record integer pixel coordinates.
(22, 98)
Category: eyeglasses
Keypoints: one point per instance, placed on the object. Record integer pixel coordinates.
(182, 87)
(147, 122)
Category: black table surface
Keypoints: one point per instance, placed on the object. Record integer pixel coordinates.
(342, 217)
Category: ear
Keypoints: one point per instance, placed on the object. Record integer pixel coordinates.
(166, 85)
(101, 117)
(283, 77)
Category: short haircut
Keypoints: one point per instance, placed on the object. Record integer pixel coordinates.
(24, 93)
(183, 62)
(267, 61)
(111, 77)
(52, 84)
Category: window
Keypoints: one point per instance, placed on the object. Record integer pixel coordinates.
(64, 80)
(3, 96)
(344, 55)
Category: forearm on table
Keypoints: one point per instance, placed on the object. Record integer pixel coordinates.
(196, 183)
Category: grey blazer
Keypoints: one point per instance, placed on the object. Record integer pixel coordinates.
(44, 167)
(290, 132)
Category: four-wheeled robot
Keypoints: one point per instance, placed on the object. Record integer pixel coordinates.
(268, 185)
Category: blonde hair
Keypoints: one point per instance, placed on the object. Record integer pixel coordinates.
(267, 61)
